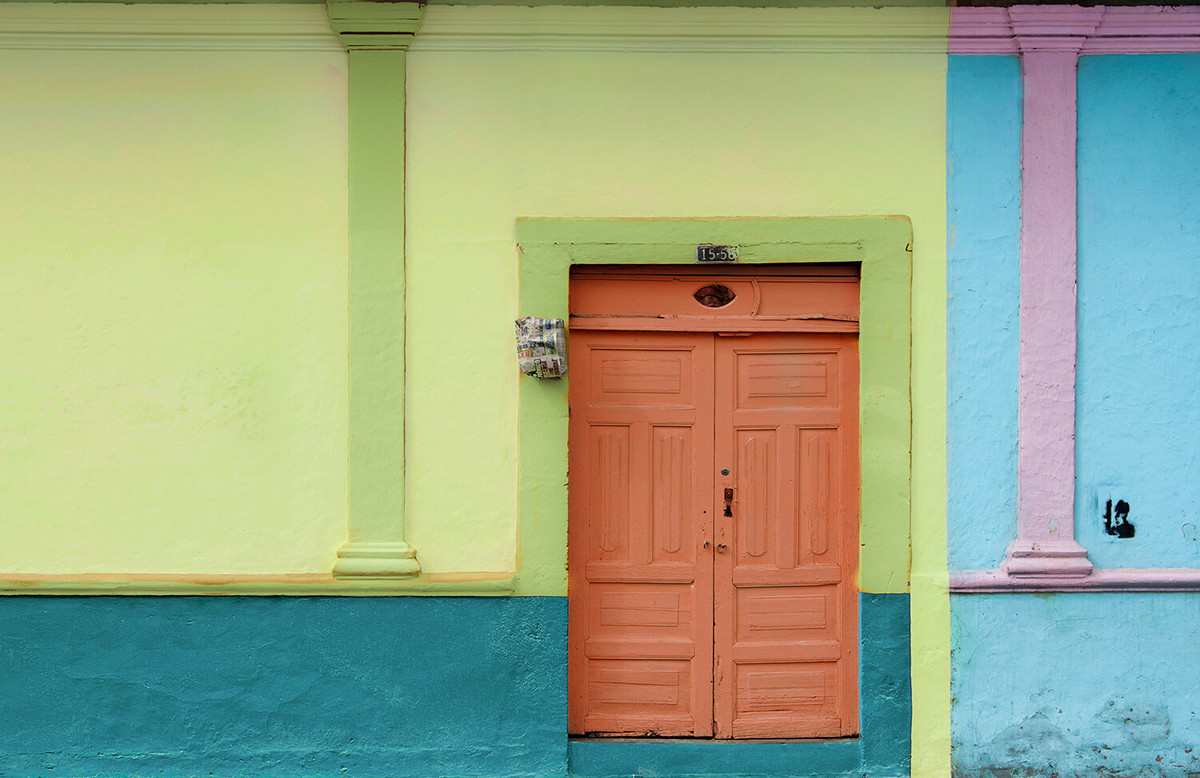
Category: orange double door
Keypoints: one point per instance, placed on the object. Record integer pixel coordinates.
(713, 535)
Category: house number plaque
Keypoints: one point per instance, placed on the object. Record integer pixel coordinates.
(707, 253)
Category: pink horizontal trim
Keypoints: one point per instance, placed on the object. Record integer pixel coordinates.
(1182, 579)
(1068, 43)
(981, 31)
(1139, 30)
(1150, 21)
(984, 46)
(1156, 44)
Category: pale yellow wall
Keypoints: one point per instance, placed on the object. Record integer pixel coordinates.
(494, 136)
(173, 259)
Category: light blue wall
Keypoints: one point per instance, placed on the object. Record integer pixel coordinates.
(1075, 685)
(1138, 385)
(1080, 684)
(983, 277)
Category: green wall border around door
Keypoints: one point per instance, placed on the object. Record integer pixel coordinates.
(881, 245)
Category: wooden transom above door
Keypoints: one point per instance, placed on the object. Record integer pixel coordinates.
(713, 531)
(765, 298)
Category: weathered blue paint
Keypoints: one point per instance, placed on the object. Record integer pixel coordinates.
(1075, 685)
(1138, 413)
(983, 188)
(277, 686)
(882, 750)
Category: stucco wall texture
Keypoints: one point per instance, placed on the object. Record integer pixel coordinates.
(1078, 684)
(172, 311)
(983, 195)
(1137, 413)
(280, 686)
(173, 334)
(1075, 685)
(494, 136)
(414, 687)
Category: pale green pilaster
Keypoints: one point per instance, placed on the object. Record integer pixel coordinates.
(376, 36)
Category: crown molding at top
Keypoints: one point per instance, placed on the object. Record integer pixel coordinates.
(364, 25)
(115, 27)
(683, 30)
(1097, 30)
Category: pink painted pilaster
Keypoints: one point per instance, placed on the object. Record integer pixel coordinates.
(1045, 544)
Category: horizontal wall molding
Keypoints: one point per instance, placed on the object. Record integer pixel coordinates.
(1097, 30)
(683, 30)
(113, 27)
(1110, 580)
(443, 585)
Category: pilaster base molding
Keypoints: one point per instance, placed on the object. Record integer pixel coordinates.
(376, 560)
(367, 26)
(1046, 558)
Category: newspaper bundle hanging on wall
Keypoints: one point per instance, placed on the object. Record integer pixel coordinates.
(542, 347)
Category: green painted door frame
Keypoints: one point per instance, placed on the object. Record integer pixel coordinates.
(882, 246)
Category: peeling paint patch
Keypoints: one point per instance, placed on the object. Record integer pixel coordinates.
(1142, 722)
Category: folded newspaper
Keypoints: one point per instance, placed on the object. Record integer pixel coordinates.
(542, 347)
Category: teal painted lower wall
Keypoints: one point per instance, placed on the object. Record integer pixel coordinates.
(403, 686)
(279, 686)
(1076, 685)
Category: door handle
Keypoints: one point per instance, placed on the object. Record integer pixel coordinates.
(728, 501)
(721, 547)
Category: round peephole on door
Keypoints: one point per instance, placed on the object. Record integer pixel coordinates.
(714, 295)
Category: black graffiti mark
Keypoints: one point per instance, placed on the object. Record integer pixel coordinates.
(1116, 519)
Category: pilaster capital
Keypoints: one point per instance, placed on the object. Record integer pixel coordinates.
(1054, 28)
(364, 25)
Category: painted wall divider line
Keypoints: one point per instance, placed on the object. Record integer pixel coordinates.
(440, 584)
(1164, 579)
